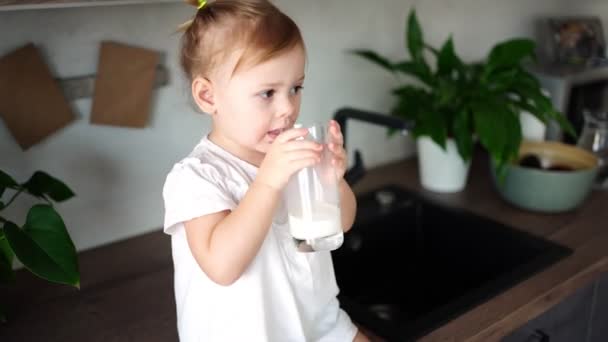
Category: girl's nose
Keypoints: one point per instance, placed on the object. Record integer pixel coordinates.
(287, 107)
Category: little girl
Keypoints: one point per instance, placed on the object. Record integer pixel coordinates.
(238, 275)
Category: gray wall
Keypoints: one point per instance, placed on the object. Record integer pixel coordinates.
(118, 173)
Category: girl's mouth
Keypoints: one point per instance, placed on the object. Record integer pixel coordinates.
(275, 133)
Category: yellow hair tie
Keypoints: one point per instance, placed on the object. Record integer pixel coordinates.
(184, 27)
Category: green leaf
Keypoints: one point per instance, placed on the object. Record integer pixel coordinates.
(6, 260)
(412, 103)
(433, 124)
(410, 68)
(449, 94)
(415, 42)
(540, 105)
(520, 106)
(418, 70)
(410, 93)
(463, 134)
(502, 81)
(565, 124)
(488, 129)
(527, 79)
(447, 60)
(434, 51)
(535, 97)
(44, 246)
(6, 181)
(535, 102)
(41, 184)
(498, 129)
(514, 135)
(373, 57)
(509, 53)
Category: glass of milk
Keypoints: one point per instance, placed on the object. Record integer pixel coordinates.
(313, 201)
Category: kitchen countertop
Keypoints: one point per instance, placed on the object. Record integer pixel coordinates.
(127, 287)
(585, 230)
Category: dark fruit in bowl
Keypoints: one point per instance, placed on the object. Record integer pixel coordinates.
(530, 160)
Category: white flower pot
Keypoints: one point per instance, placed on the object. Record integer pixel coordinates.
(441, 170)
(532, 128)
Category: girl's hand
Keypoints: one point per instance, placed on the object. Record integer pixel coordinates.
(287, 155)
(336, 146)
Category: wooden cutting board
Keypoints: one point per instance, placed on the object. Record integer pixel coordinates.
(123, 87)
(31, 102)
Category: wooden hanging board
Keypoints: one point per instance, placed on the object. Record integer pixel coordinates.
(31, 102)
(124, 84)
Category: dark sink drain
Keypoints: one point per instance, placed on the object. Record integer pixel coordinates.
(387, 312)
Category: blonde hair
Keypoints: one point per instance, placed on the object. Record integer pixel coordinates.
(222, 26)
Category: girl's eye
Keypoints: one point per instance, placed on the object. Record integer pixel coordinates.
(296, 89)
(267, 94)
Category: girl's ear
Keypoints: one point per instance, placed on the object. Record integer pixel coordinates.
(202, 92)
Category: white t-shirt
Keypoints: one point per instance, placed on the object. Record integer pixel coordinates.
(284, 295)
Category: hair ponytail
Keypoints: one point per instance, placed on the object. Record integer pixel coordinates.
(221, 26)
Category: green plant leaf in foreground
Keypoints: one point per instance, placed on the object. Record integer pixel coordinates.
(41, 184)
(44, 246)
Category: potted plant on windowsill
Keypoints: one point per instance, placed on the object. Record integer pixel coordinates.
(456, 104)
(42, 244)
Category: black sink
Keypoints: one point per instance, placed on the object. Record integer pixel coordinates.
(410, 265)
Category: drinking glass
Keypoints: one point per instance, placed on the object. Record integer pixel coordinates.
(313, 201)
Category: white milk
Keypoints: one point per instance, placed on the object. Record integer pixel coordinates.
(325, 221)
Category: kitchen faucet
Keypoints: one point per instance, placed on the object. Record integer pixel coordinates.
(342, 115)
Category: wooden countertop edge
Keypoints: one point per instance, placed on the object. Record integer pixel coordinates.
(496, 318)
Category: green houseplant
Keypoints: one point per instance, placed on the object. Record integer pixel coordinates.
(42, 244)
(467, 102)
